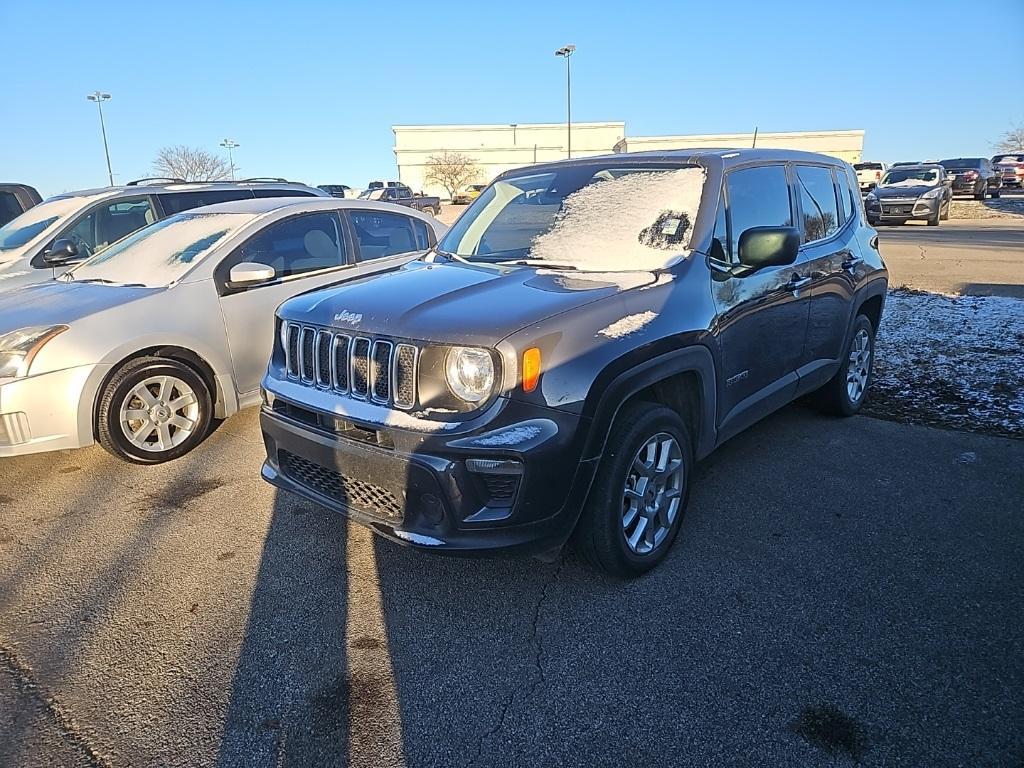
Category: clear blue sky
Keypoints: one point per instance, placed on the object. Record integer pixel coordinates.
(311, 89)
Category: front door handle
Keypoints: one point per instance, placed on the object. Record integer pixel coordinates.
(796, 283)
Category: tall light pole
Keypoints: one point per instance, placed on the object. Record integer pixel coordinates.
(231, 144)
(99, 97)
(565, 52)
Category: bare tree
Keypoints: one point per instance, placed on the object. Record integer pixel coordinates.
(452, 170)
(191, 164)
(1012, 140)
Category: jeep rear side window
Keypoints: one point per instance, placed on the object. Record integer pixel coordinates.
(758, 197)
(845, 194)
(818, 202)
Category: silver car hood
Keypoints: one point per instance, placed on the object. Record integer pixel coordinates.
(55, 302)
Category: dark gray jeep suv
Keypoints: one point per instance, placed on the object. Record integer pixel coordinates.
(582, 335)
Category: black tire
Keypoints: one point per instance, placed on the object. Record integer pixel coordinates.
(981, 195)
(994, 193)
(599, 536)
(118, 392)
(834, 397)
(933, 221)
(949, 207)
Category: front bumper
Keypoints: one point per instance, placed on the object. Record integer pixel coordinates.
(512, 485)
(44, 413)
(903, 210)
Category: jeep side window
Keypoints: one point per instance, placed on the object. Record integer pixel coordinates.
(295, 246)
(845, 194)
(758, 197)
(817, 201)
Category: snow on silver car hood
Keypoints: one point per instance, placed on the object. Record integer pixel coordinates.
(53, 303)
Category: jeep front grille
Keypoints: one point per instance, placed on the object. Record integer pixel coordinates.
(364, 368)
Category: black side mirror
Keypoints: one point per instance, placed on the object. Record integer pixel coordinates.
(62, 252)
(768, 247)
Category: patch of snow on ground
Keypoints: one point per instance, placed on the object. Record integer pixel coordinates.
(604, 227)
(952, 361)
(513, 436)
(627, 325)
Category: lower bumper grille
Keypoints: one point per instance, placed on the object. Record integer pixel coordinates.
(364, 497)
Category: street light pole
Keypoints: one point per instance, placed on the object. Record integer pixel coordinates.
(99, 97)
(565, 52)
(231, 144)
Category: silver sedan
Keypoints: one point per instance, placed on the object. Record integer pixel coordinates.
(148, 341)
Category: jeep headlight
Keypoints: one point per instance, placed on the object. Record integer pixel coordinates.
(18, 348)
(469, 372)
(932, 193)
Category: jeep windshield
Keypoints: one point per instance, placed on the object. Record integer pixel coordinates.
(586, 217)
(158, 255)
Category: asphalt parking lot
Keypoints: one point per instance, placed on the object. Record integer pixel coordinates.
(843, 590)
(979, 257)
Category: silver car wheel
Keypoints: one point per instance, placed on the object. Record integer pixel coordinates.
(652, 493)
(859, 366)
(159, 413)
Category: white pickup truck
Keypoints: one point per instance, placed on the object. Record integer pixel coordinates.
(869, 174)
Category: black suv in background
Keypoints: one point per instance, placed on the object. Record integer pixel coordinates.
(973, 176)
(15, 199)
(556, 366)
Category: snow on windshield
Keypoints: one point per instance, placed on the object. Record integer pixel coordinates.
(638, 221)
(161, 253)
(931, 180)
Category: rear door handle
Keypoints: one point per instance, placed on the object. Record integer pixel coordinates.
(796, 283)
(851, 263)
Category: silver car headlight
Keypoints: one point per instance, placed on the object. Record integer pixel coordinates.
(18, 348)
(469, 372)
(932, 193)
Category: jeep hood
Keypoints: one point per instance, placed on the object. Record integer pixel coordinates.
(55, 303)
(474, 304)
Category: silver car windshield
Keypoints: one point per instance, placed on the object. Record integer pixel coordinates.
(160, 254)
(36, 220)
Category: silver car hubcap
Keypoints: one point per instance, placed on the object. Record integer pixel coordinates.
(859, 366)
(159, 413)
(653, 491)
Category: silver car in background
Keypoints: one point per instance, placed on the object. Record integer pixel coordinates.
(148, 341)
(48, 238)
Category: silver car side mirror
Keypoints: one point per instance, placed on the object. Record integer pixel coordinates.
(250, 273)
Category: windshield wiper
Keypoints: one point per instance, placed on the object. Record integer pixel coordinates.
(540, 263)
(104, 281)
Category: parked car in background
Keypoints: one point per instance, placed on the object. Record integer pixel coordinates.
(583, 334)
(910, 192)
(339, 190)
(142, 345)
(973, 176)
(402, 195)
(15, 199)
(67, 229)
(468, 194)
(868, 174)
(1011, 168)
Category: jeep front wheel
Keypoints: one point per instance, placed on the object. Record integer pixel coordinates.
(636, 505)
(153, 410)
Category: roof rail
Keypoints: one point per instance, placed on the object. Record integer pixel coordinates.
(156, 179)
(257, 179)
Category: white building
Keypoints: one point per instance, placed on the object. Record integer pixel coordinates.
(497, 148)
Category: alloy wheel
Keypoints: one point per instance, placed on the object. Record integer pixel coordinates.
(652, 493)
(858, 366)
(159, 413)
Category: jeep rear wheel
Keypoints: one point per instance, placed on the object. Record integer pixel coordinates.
(845, 393)
(153, 410)
(636, 505)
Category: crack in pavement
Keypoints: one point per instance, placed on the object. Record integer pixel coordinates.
(24, 681)
(535, 681)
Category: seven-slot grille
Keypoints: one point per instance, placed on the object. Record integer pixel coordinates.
(378, 370)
